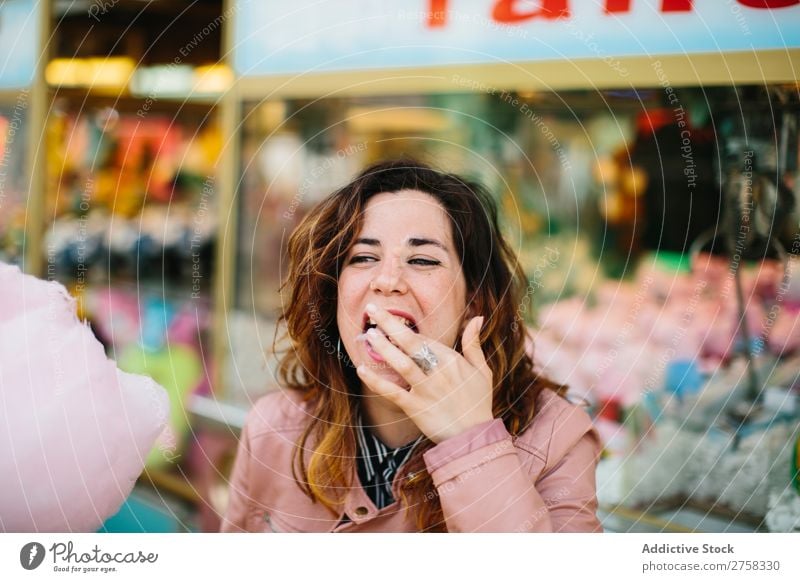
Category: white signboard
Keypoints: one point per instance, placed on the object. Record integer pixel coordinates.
(19, 42)
(305, 36)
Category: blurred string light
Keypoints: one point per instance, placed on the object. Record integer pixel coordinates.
(163, 81)
(182, 80)
(214, 79)
(121, 74)
(366, 119)
(95, 72)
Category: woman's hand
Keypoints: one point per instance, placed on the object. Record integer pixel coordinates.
(452, 397)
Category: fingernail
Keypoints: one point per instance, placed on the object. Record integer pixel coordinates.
(371, 308)
(480, 322)
(372, 332)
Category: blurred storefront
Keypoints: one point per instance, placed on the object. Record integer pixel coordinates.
(613, 135)
(627, 143)
(112, 189)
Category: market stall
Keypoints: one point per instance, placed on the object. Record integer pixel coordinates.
(609, 134)
(112, 191)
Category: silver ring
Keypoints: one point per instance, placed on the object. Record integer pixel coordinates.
(425, 358)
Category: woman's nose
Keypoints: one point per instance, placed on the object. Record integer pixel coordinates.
(389, 278)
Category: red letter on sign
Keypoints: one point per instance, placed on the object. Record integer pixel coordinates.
(666, 6)
(505, 11)
(769, 3)
(437, 13)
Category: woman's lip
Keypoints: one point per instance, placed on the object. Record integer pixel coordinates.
(403, 314)
(368, 346)
(373, 354)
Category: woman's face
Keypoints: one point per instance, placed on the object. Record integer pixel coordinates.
(403, 260)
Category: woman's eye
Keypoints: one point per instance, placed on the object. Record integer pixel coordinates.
(425, 262)
(416, 261)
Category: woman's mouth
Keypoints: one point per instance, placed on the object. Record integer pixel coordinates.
(370, 323)
(371, 351)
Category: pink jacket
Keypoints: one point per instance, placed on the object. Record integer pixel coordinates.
(542, 481)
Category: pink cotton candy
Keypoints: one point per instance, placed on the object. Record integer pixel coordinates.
(763, 279)
(76, 430)
(719, 322)
(756, 316)
(784, 338)
(560, 318)
(711, 270)
(553, 358)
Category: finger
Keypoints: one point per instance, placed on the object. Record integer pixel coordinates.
(407, 339)
(382, 387)
(471, 346)
(395, 357)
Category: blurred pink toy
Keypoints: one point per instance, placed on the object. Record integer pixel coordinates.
(76, 430)
(784, 338)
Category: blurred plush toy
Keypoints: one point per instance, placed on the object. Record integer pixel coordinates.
(76, 430)
(173, 361)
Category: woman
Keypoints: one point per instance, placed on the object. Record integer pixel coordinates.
(410, 401)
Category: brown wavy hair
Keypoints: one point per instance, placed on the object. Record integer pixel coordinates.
(325, 459)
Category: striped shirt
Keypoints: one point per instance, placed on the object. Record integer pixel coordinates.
(378, 464)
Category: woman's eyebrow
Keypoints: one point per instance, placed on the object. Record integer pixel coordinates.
(373, 242)
(421, 242)
(412, 242)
